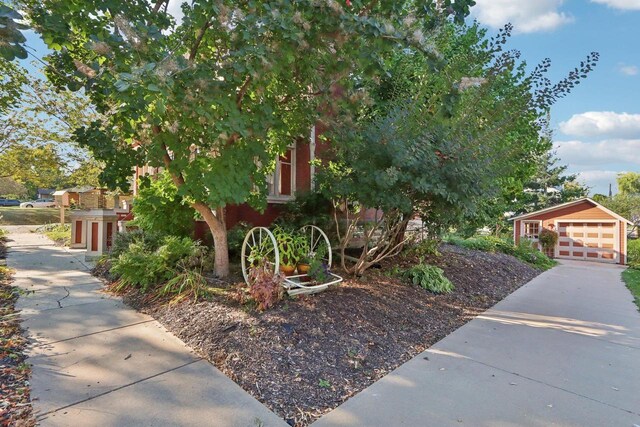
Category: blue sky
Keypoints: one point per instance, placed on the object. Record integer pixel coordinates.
(597, 127)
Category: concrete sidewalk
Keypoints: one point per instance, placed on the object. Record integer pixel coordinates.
(97, 362)
(563, 350)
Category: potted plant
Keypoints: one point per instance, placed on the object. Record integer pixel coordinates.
(548, 239)
(318, 267)
(305, 254)
(288, 247)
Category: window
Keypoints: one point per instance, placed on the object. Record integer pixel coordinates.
(282, 184)
(531, 230)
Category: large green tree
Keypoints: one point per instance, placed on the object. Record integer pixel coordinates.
(215, 98)
(628, 183)
(445, 145)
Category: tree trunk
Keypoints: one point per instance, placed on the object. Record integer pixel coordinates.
(218, 229)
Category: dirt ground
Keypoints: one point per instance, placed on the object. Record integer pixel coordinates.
(309, 354)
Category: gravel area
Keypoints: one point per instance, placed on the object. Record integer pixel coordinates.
(309, 354)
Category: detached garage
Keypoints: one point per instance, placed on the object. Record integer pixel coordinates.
(586, 231)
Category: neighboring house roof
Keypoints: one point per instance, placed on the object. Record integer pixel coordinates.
(46, 191)
(565, 205)
(82, 189)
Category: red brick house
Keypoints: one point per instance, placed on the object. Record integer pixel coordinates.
(294, 173)
(586, 231)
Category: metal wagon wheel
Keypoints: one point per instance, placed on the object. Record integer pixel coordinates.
(316, 238)
(259, 246)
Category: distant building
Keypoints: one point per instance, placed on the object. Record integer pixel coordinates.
(45, 193)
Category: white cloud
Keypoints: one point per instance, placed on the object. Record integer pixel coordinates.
(607, 124)
(598, 180)
(628, 70)
(174, 8)
(620, 4)
(527, 16)
(609, 151)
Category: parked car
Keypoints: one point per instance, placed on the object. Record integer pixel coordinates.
(39, 203)
(9, 202)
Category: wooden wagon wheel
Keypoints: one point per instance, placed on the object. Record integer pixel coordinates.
(316, 238)
(259, 246)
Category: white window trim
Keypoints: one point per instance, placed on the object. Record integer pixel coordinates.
(523, 229)
(278, 198)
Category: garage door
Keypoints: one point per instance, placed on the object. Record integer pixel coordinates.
(587, 241)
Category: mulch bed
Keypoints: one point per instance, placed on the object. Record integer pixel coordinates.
(309, 354)
(15, 403)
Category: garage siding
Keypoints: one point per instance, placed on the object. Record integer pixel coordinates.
(583, 211)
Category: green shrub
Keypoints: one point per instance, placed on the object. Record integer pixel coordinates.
(425, 248)
(633, 253)
(158, 208)
(139, 265)
(307, 208)
(483, 243)
(139, 268)
(121, 241)
(430, 278)
(525, 251)
(235, 238)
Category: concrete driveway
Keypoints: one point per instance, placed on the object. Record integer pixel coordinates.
(563, 350)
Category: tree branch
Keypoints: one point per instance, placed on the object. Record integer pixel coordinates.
(158, 5)
(199, 37)
(243, 91)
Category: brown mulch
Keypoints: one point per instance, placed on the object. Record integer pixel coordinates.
(15, 403)
(309, 354)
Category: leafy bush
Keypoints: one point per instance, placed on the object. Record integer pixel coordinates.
(3, 232)
(633, 253)
(141, 265)
(527, 252)
(482, 243)
(430, 278)
(307, 208)
(139, 268)
(524, 251)
(121, 241)
(235, 237)
(425, 248)
(159, 208)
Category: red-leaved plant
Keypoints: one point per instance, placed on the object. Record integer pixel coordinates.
(266, 287)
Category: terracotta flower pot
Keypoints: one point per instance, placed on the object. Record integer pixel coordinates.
(288, 270)
(303, 268)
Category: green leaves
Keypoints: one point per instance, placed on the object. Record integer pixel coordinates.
(11, 37)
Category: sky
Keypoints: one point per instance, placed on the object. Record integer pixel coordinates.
(596, 129)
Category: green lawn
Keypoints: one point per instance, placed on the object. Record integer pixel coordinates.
(631, 277)
(30, 216)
